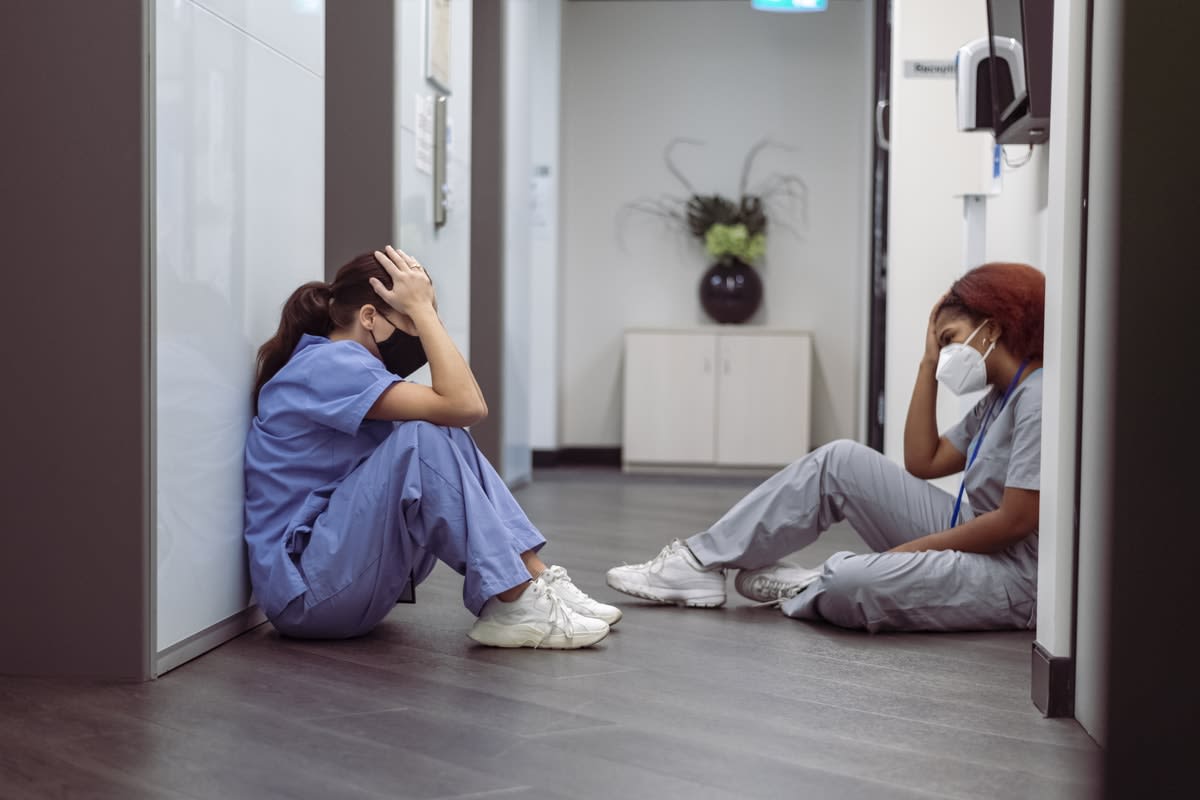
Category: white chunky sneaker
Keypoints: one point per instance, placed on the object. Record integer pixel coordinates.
(672, 576)
(775, 583)
(538, 618)
(574, 598)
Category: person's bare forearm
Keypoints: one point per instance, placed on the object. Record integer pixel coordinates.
(987, 533)
(451, 375)
(920, 426)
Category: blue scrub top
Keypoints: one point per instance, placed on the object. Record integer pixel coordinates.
(309, 434)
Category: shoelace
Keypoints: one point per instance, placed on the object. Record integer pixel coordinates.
(558, 614)
(556, 574)
(782, 590)
(658, 559)
(557, 577)
(656, 564)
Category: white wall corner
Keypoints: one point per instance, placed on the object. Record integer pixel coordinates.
(544, 286)
(636, 76)
(1063, 244)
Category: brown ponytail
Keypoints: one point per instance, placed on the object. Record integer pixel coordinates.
(306, 311)
(319, 308)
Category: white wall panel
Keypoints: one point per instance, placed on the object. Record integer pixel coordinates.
(446, 252)
(1063, 281)
(240, 209)
(1016, 218)
(519, 30)
(295, 28)
(636, 75)
(930, 163)
(544, 281)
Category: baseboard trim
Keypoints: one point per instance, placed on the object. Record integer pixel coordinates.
(214, 635)
(545, 458)
(689, 470)
(1053, 684)
(578, 457)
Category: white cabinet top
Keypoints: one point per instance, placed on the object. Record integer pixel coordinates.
(725, 330)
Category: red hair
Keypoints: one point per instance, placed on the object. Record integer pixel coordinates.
(1014, 295)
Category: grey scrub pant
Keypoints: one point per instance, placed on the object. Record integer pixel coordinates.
(940, 590)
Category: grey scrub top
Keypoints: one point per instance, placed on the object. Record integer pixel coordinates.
(1011, 453)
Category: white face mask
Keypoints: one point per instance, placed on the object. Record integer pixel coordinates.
(960, 366)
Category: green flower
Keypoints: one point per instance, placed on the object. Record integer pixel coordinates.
(734, 240)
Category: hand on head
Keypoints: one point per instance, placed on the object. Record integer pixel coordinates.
(933, 347)
(412, 290)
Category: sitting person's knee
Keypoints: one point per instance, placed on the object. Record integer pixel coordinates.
(844, 586)
(427, 433)
(837, 450)
(845, 448)
(846, 574)
(411, 436)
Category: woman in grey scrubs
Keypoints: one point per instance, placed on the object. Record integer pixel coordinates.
(941, 561)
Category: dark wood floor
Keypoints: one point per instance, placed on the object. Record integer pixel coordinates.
(739, 702)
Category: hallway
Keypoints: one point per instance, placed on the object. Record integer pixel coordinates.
(733, 703)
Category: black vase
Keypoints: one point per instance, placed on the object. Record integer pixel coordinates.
(730, 291)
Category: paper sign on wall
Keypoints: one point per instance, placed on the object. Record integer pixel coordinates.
(540, 198)
(423, 128)
(929, 68)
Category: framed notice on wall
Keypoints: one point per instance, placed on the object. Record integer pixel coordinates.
(437, 43)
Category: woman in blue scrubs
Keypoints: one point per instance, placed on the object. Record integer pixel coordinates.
(358, 481)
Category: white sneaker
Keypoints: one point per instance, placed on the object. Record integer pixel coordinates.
(538, 618)
(574, 598)
(774, 583)
(672, 576)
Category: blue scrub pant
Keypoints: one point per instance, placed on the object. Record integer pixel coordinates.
(938, 590)
(425, 494)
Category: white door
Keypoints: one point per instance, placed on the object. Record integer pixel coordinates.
(932, 164)
(763, 399)
(669, 398)
(239, 203)
(516, 462)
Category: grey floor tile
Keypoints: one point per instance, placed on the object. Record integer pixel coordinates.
(738, 702)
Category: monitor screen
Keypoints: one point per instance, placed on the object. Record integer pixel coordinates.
(1004, 19)
(1023, 117)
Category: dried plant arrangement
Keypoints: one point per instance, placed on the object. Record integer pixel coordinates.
(730, 228)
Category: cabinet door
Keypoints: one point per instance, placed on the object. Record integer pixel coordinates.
(670, 395)
(763, 399)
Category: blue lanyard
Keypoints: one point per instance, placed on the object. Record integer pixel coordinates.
(987, 419)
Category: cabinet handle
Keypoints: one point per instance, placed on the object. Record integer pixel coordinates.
(882, 141)
(707, 365)
(725, 366)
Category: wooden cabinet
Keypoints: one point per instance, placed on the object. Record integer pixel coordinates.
(705, 398)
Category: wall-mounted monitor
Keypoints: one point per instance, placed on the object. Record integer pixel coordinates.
(1026, 119)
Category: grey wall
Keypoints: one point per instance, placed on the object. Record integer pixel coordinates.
(1152, 692)
(1102, 266)
(360, 135)
(487, 220)
(74, 571)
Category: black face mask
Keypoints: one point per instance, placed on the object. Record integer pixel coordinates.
(401, 353)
